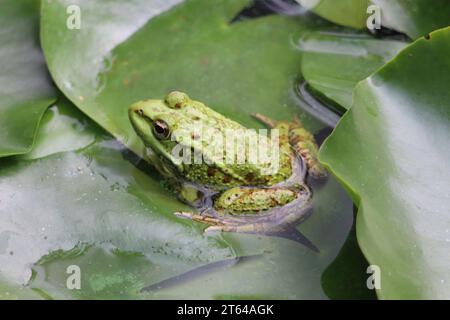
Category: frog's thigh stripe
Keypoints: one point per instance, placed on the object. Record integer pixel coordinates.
(271, 123)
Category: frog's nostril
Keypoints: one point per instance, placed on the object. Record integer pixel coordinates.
(140, 112)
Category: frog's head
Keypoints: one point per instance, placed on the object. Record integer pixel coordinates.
(176, 120)
(159, 123)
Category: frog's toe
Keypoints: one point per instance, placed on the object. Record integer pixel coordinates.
(199, 218)
(318, 172)
(220, 229)
(271, 123)
(184, 215)
(244, 228)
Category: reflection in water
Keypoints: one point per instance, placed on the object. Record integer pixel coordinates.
(197, 272)
(260, 8)
(314, 107)
(286, 7)
(291, 233)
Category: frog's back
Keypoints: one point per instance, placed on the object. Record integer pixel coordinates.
(223, 152)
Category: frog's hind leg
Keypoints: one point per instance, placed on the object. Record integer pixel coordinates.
(301, 140)
(305, 145)
(252, 228)
(225, 224)
(283, 132)
(269, 122)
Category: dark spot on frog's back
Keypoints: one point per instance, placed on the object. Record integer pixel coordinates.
(178, 105)
(211, 172)
(249, 177)
(427, 36)
(226, 178)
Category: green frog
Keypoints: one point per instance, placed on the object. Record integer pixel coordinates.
(255, 186)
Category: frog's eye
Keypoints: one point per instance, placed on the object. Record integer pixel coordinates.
(161, 129)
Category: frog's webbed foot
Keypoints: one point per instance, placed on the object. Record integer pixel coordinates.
(301, 140)
(235, 225)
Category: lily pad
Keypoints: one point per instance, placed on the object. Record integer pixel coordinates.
(26, 89)
(349, 13)
(332, 64)
(63, 128)
(414, 17)
(390, 152)
(102, 204)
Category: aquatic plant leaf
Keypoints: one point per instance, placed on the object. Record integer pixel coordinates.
(389, 151)
(350, 13)
(332, 64)
(26, 88)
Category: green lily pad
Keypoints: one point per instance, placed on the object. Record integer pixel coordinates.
(63, 128)
(26, 89)
(350, 13)
(102, 204)
(414, 17)
(91, 197)
(390, 152)
(338, 283)
(332, 64)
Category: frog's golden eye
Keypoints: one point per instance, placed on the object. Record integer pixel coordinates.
(161, 129)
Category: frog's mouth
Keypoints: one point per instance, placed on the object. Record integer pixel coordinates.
(143, 126)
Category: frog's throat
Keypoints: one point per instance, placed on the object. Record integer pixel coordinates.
(163, 153)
